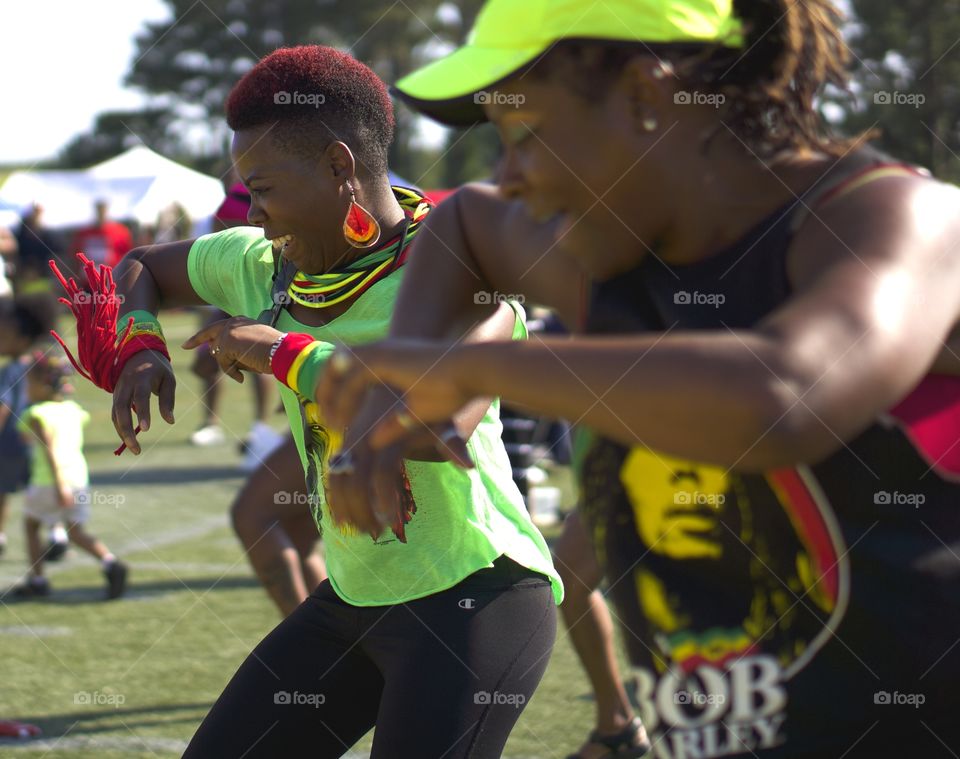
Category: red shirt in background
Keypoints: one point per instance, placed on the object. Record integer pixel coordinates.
(105, 244)
(438, 196)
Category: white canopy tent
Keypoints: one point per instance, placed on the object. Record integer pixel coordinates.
(198, 193)
(137, 184)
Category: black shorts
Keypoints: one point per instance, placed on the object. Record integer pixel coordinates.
(447, 675)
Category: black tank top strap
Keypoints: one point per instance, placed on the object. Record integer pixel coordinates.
(847, 172)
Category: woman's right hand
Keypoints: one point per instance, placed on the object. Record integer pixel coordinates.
(146, 373)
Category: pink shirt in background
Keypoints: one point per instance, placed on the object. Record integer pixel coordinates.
(233, 210)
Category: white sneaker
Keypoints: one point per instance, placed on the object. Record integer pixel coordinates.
(209, 435)
(261, 442)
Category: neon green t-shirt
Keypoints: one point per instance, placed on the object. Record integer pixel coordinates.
(465, 518)
(63, 423)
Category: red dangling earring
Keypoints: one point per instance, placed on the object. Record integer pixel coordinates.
(360, 229)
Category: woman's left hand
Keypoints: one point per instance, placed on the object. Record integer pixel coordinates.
(238, 343)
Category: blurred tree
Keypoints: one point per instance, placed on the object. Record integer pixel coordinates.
(907, 77)
(116, 131)
(198, 55)
(470, 154)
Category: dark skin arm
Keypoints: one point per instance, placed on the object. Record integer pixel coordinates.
(495, 247)
(457, 282)
(149, 278)
(368, 497)
(442, 264)
(873, 304)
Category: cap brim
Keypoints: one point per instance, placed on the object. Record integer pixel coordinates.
(446, 90)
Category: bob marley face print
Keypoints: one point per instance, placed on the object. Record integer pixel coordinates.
(696, 519)
(676, 505)
(720, 577)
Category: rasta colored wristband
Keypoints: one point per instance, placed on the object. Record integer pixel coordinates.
(298, 360)
(143, 323)
(288, 356)
(138, 331)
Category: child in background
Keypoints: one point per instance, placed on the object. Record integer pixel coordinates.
(58, 474)
(20, 328)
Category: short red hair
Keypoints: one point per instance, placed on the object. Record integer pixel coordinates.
(316, 94)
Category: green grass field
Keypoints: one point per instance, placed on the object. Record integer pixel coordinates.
(193, 612)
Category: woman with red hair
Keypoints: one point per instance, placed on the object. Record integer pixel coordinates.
(437, 629)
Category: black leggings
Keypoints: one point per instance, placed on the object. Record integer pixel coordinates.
(444, 676)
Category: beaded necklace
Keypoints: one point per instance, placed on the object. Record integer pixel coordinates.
(350, 281)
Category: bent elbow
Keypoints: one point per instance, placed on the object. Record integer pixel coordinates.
(135, 254)
(790, 432)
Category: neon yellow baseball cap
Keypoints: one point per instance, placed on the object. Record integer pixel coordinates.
(509, 34)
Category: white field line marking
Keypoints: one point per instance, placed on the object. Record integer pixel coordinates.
(143, 542)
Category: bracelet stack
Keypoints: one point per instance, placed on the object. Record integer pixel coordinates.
(296, 360)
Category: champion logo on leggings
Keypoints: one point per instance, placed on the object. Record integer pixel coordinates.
(467, 603)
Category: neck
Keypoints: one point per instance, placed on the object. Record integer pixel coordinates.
(380, 201)
(733, 195)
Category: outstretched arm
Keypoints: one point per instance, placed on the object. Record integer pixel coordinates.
(873, 304)
(155, 276)
(477, 248)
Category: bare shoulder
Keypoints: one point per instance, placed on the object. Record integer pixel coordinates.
(912, 221)
(518, 255)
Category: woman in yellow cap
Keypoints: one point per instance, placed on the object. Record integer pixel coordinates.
(772, 467)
